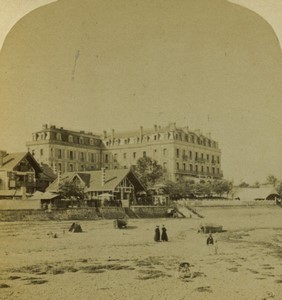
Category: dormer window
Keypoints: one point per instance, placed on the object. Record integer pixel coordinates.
(70, 139)
(58, 136)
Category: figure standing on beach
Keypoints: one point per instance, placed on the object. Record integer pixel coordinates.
(210, 242)
(215, 247)
(157, 234)
(164, 234)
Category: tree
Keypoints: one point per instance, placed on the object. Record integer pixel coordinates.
(148, 171)
(71, 190)
(271, 179)
(278, 188)
(220, 187)
(243, 185)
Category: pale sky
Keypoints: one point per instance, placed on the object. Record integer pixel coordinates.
(229, 126)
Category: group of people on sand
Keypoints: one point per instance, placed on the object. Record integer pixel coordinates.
(160, 237)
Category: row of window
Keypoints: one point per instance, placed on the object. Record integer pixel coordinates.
(196, 169)
(73, 155)
(197, 156)
(78, 139)
(59, 167)
(176, 136)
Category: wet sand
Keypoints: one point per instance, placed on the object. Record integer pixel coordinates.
(108, 263)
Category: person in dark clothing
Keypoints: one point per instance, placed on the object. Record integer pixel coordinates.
(210, 240)
(164, 234)
(157, 234)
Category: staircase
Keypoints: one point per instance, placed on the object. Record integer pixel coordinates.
(188, 211)
(131, 214)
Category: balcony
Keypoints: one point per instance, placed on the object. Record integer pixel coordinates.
(200, 160)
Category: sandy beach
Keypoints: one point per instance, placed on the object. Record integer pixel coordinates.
(108, 263)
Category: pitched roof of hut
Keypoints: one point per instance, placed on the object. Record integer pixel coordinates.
(93, 180)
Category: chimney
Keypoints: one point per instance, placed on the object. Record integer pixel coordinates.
(141, 133)
(105, 134)
(113, 135)
(103, 176)
(156, 128)
(2, 155)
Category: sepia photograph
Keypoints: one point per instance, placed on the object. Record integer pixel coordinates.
(141, 149)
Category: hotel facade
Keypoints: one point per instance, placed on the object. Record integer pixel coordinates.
(181, 152)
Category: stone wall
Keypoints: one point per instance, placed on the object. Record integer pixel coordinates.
(43, 215)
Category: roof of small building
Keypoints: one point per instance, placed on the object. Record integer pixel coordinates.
(11, 160)
(254, 193)
(93, 179)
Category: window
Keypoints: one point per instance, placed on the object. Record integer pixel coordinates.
(59, 153)
(190, 154)
(202, 169)
(218, 160)
(124, 155)
(177, 166)
(92, 157)
(58, 136)
(208, 170)
(184, 167)
(81, 140)
(164, 152)
(134, 154)
(208, 157)
(106, 158)
(82, 167)
(213, 170)
(196, 168)
(144, 153)
(115, 157)
(202, 155)
(59, 167)
(177, 152)
(70, 138)
(164, 165)
(196, 155)
(71, 167)
(191, 167)
(41, 152)
(91, 142)
(217, 170)
(71, 155)
(52, 152)
(81, 156)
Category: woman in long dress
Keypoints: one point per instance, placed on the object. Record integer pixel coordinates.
(157, 234)
(164, 234)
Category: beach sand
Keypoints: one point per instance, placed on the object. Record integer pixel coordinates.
(108, 263)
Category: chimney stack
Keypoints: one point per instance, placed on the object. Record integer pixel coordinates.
(105, 134)
(141, 133)
(156, 128)
(103, 176)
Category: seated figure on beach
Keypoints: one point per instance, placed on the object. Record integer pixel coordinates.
(210, 240)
